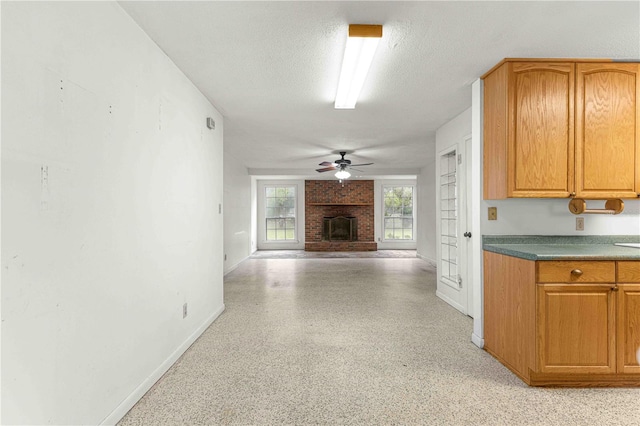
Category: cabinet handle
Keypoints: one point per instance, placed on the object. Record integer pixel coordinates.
(572, 194)
(576, 272)
(614, 288)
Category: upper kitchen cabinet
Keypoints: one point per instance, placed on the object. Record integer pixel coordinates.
(607, 130)
(528, 130)
(558, 129)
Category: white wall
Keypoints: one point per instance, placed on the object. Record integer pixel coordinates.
(552, 217)
(426, 212)
(111, 184)
(454, 131)
(237, 212)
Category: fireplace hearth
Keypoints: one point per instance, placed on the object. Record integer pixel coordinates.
(340, 228)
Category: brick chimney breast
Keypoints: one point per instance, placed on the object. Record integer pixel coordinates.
(329, 198)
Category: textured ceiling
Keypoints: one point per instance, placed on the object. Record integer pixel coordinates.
(271, 68)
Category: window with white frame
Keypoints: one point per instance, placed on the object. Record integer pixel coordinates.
(280, 212)
(398, 212)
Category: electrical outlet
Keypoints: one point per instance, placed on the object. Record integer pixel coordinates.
(579, 223)
(184, 310)
(493, 213)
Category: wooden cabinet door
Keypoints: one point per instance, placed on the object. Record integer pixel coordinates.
(541, 129)
(607, 130)
(576, 328)
(628, 338)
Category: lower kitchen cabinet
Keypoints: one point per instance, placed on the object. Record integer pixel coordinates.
(576, 328)
(628, 318)
(564, 323)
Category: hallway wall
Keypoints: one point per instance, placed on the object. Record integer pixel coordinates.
(111, 185)
(237, 212)
(426, 214)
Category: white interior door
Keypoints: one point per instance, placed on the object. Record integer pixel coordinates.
(453, 286)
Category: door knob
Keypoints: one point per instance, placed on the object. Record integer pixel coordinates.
(467, 234)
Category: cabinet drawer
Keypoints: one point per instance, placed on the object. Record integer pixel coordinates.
(629, 271)
(570, 271)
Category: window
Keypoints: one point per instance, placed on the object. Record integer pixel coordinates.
(280, 214)
(398, 212)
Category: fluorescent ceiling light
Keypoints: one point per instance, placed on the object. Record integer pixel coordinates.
(361, 46)
(343, 174)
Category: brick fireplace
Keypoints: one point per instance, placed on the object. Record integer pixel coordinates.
(329, 200)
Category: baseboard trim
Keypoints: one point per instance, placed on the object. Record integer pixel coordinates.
(233, 267)
(429, 260)
(451, 302)
(119, 412)
(477, 340)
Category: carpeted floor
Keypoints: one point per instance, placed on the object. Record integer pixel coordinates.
(358, 342)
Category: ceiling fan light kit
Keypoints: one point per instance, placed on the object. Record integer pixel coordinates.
(358, 55)
(341, 165)
(343, 174)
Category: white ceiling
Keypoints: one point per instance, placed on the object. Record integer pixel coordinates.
(271, 68)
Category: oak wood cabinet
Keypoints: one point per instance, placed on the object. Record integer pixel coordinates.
(628, 318)
(607, 130)
(558, 129)
(564, 323)
(576, 328)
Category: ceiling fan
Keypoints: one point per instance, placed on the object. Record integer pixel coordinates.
(341, 165)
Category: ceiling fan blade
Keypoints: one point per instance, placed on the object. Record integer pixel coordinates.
(327, 169)
(327, 163)
(364, 164)
(357, 170)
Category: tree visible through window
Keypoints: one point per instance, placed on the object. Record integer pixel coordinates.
(398, 212)
(280, 202)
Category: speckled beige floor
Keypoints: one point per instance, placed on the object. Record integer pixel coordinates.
(302, 254)
(359, 342)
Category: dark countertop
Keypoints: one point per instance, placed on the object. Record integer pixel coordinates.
(532, 247)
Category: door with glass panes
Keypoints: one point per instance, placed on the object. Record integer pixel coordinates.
(452, 285)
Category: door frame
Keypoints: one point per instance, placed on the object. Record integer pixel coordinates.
(469, 242)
